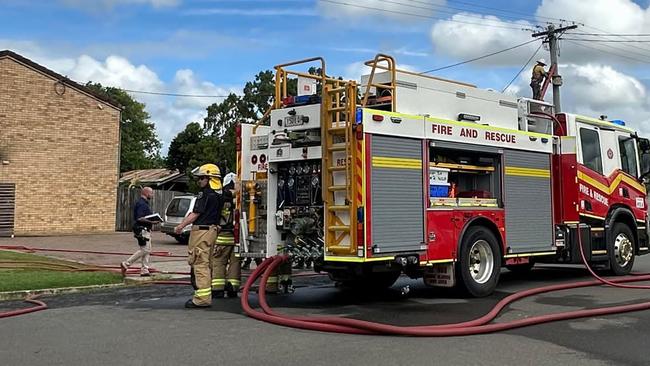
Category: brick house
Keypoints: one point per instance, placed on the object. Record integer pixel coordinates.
(59, 153)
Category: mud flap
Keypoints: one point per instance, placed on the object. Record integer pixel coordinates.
(440, 275)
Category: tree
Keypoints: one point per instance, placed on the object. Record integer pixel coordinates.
(139, 145)
(183, 148)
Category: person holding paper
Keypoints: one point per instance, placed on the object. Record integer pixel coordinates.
(143, 222)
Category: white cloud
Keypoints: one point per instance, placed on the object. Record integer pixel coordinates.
(170, 114)
(461, 40)
(600, 86)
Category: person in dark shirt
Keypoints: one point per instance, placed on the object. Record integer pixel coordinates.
(226, 266)
(204, 219)
(142, 232)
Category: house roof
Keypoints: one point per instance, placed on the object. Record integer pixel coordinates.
(151, 176)
(63, 79)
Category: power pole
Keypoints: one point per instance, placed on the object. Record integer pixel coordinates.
(552, 34)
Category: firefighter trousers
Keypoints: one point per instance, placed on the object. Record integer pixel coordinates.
(226, 268)
(199, 257)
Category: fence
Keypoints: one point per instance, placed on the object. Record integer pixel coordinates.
(126, 199)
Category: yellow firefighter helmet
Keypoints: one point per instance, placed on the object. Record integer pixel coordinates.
(209, 170)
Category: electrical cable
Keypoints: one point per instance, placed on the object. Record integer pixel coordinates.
(608, 52)
(478, 58)
(522, 68)
(421, 15)
(443, 9)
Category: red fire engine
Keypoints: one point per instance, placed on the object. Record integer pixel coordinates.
(461, 182)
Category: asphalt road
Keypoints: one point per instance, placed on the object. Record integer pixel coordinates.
(149, 326)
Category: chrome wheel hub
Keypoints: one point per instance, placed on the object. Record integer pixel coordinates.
(623, 250)
(481, 261)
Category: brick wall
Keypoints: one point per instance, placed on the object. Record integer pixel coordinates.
(63, 154)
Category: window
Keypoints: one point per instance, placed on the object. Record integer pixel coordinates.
(590, 143)
(178, 207)
(626, 146)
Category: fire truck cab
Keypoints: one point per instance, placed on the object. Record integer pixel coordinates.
(405, 173)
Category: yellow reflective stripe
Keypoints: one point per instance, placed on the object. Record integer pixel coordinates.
(357, 259)
(528, 172)
(612, 187)
(396, 163)
(203, 292)
(592, 216)
(234, 282)
(219, 281)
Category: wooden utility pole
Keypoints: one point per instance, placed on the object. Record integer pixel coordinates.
(552, 34)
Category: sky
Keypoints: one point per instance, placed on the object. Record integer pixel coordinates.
(213, 47)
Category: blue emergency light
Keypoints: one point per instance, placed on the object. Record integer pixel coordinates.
(359, 115)
(618, 122)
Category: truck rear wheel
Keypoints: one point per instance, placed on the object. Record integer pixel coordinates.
(479, 262)
(620, 249)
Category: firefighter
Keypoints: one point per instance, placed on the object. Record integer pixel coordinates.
(204, 219)
(226, 265)
(537, 78)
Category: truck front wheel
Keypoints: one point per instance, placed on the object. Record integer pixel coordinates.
(620, 248)
(479, 262)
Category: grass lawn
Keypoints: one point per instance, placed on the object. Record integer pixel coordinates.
(34, 279)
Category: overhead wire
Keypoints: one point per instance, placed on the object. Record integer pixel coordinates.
(522, 68)
(422, 15)
(608, 52)
(446, 9)
(479, 58)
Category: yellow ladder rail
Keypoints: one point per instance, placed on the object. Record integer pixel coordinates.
(390, 61)
(338, 111)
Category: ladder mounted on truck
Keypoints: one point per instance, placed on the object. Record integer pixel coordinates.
(342, 164)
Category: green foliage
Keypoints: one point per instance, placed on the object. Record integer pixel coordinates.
(215, 141)
(139, 145)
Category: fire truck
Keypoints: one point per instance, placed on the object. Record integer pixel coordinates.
(404, 173)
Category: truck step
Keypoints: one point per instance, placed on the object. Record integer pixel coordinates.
(339, 208)
(338, 228)
(341, 187)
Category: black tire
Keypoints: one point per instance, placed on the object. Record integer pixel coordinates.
(620, 249)
(485, 261)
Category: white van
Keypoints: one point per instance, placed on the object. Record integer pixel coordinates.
(177, 209)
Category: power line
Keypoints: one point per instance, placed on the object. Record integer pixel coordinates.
(622, 49)
(504, 10)
(611, 34)
(176, 94)
(607, 40)
(522, 68)
(611, 53)
(443, 9)
(478, 58)
(618, 36)
(421, 15)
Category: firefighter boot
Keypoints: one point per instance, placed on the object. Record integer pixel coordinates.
(218, 294)
(232, 293)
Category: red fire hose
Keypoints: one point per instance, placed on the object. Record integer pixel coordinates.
(39, 306)
(476, 326)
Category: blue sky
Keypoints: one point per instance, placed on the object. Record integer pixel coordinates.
(212, 46)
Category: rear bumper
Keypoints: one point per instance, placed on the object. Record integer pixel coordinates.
(168, 228)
